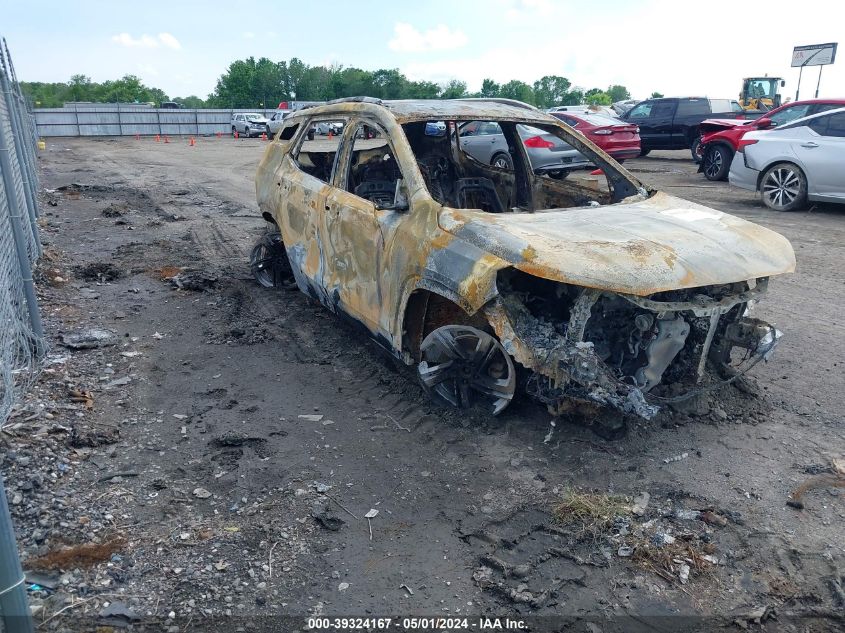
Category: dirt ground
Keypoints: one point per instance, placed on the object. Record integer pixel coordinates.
(214, 465)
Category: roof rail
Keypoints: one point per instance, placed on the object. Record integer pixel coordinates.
(355, 100)
(512, 102)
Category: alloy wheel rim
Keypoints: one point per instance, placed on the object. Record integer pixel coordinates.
(713, 163)
(463, 367)
(782, 187)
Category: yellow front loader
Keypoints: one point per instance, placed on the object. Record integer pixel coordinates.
(760, 93)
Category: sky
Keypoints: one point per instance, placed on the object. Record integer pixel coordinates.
(676, 48)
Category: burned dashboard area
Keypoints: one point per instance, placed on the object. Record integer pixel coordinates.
(627, 352)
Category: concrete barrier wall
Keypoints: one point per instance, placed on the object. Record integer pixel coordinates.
(113, 120)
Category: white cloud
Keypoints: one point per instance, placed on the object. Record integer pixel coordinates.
(147, 41)
(407, 39)
(248, 35)
(169, 41)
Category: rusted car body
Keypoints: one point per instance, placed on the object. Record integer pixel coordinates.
(488, 278)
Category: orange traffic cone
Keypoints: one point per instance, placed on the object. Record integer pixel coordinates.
(193, 142)
(597, 172)
(158, 137)
(236, 134)
(137, 137)
(166, 139)
(219, 134)
(331, 136)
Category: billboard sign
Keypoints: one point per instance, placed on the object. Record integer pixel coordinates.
(814, 55)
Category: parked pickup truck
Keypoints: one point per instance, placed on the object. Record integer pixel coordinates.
(673, 123)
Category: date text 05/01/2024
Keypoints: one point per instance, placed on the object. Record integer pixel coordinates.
(417, 624)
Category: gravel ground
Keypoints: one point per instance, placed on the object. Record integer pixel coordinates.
(209, 464)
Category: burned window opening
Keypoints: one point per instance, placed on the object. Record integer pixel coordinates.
(373, 173)
(288, 132)
(318, 149)
(493, 170)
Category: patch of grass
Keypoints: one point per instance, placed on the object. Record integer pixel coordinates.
(592, 512)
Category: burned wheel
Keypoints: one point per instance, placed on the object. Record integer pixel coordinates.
(463, 367)
(269, 263)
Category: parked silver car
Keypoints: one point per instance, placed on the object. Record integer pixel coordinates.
(801, 161)
(275, 122)
(249, 124)
(485, 142)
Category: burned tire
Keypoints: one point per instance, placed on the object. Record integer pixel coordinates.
(463, 367)
(502, 161)
(717, 162)
(270, 265)
(784, 187)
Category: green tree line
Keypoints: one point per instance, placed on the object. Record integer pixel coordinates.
(256, 83)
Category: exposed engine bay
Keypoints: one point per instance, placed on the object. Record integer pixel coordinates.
(629, 352)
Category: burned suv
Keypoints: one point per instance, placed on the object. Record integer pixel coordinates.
(490, 277)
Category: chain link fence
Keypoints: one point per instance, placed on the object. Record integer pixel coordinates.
(22, 343)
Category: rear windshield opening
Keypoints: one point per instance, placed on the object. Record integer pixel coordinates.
(506, 166)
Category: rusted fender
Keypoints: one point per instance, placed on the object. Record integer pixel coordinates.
(638, 247)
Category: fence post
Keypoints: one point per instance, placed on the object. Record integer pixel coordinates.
(20, 246)
(29, 147)
(18, 141)
(13, 604)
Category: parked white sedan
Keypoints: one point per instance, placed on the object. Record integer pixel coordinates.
(801, 161)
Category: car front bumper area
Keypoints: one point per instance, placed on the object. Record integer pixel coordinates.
(257, 130)
(568, 365)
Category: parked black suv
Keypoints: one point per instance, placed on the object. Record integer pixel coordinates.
(672, 123)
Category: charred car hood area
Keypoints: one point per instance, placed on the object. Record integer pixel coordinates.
(606, 304)
(662, 243)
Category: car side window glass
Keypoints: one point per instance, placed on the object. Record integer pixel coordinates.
(836, 125)
(663, 109)
(489, 127)
(824, 107)
(470, 129)
(789, 114)
(819, 126)
(689, 107)
(374, 172)
(316, 155)
(642, 111)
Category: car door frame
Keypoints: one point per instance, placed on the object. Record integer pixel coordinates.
(302, 198)
(358, 237)
(820, 162)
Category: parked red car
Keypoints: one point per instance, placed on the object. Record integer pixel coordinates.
(720, 137)
(615, 136)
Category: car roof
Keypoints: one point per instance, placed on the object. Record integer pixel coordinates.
(409, 110)
(813, 101)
